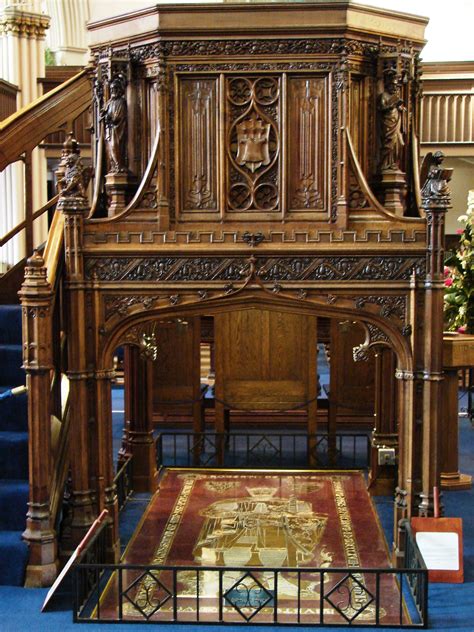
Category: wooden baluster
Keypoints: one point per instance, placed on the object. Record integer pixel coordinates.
(28, 204)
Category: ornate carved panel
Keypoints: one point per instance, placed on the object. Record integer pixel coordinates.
(307, 144)
(253, 121)
(197, 148)
(268, 269)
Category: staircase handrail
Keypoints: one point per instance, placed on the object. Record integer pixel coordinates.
(54, 247)
(366, 189)
(19, 227)
(28, 127)
(60, 466)
(53, 256)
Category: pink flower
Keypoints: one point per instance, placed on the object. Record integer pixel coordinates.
(459, 231)
(462, 330)
(448, 282)
(447, 271)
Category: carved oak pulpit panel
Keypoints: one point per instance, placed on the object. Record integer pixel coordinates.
(196, 176)
(252, 147)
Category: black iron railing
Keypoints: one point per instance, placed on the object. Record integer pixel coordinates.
(124, 482)
(372, 597)
(262, 450)
(417, 581)
(92, 563)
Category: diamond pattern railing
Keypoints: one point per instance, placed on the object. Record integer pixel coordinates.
(279, 596)
(349, 597)
(248, 596)
(261, 450)
(147, 594)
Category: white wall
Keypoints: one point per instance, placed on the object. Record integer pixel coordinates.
(449, 32)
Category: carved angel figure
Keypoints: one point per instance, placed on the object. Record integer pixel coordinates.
(391, 108)
(75, 180)
(114, 115)
(437, 178)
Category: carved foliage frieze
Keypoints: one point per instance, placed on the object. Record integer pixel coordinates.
(270, 269)
(121, 304)
(254, 47)
(395, 306)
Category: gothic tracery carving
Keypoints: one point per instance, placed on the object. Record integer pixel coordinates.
(253, 151)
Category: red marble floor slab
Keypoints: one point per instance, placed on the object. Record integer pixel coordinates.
(236, 520)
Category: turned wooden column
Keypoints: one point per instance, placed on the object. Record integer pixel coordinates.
(163, 160)
(458, 353)
(83, 511)
(385, 432)
(139, 419)
(406, 488)
(312, 396)
(36, 300)
(435, 202)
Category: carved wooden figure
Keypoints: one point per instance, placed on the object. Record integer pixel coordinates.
(391, 109)
(115, 119)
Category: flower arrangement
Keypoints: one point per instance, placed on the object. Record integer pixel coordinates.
(459, 277)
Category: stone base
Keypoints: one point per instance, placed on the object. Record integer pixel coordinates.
(456, 482)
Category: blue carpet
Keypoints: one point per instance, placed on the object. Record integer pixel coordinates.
(13, 451)
(451, 606)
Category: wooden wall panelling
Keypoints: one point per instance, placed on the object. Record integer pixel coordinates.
(265, 360)
(55, 75)
(351, 383)
(8, 93)
(176, 372)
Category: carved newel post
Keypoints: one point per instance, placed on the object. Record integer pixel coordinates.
(391, 113)
(36, 300)
(73, 204)
(435, 201)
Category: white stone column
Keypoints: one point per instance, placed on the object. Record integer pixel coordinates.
(67, 37)
(22, 32)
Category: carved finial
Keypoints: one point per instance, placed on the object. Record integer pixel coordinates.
(70, 145)
(35, 261)
(35, 274)
(72, 178)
